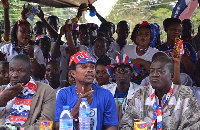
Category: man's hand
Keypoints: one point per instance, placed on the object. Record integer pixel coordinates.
(87, 95)
(10, 93)
(5, 4)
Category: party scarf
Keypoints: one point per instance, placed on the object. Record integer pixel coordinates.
(142, 50)
(21, 107)
(158, 108)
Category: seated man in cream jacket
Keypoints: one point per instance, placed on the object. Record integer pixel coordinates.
(25, 102)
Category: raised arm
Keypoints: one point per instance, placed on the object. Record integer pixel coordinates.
(177, 61)
(70, 40)
(56, 49)
(52, 32)
(38, 69)
(97, 14)
(6, 20)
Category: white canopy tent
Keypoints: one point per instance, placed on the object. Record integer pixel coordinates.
(60, 3)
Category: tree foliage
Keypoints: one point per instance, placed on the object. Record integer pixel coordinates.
(14, 12)
(153, 11)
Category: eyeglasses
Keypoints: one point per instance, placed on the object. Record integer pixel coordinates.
(125, 70)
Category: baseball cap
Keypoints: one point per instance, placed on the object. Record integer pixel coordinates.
(81, 57)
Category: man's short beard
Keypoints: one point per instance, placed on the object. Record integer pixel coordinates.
(88, 83)
(122, 82)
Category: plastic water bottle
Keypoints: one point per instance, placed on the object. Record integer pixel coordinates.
(84, 115)
(66, 119)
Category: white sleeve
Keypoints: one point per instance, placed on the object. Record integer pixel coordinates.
(2, 108)
(38, 54)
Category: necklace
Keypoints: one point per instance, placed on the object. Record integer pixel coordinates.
(81, 93)
(122, 99)
(142, 50)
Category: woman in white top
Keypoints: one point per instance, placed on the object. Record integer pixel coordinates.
(21, 43)
(142, 51)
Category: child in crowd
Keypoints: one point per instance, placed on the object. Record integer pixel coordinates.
(39, 29)
(102, 76)
(100, 47)
(44, 43)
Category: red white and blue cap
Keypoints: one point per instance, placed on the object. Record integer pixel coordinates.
(122, 59)
(81, 57)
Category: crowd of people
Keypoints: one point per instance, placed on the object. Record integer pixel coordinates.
(148, 79)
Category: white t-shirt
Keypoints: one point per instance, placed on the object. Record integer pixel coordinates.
(130, 50)
(132, 89)
(10, 52)
(114, 50)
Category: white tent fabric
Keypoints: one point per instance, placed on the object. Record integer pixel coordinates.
(60, 3)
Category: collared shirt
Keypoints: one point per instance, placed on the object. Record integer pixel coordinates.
(115, 49)
(181, 112)
(10, 51)
(131, 91)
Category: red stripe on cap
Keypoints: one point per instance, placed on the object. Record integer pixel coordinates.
(119, 58)
(126, 59)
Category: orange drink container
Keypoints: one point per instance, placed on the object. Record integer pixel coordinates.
(46, 125)
(140, 126)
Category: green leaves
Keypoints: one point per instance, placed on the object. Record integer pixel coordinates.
(154, 11)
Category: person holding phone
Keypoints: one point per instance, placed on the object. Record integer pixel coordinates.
(21, 43)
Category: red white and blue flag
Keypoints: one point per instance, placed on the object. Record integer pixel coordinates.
(184, 9)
